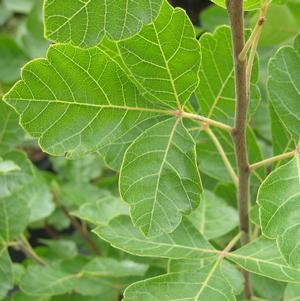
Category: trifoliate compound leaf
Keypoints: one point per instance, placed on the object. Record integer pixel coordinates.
(159, 177)
(214, 218)
(11, 132)
(263, 257)
(84, 23)
(278, 199)
(284, 86)
(47, 281)
(205, 284)
(184, 242)
(102, 210)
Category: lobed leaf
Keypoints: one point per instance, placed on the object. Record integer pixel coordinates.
(159, 177)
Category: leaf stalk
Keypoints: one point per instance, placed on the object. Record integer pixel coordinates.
(271, 160)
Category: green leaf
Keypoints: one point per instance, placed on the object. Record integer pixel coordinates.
(14, 217)
(267, 288)
(7, 167)
(6, 272)
(168, 70)
(281, 138)
(230, 271)
(112, 268)
(38, 196)
(262, 257)
(12, 58)
(11, 133)
(19, 6)
(184, 242)
(214, 218)
(278, 199)
(47, 281)
(248, 4)
(198, 285)
(161, 181)
(54, 91)
(102, 210)
(84, 23)
(78, 171)
(212, 17)
(284, 86)
(292, 292)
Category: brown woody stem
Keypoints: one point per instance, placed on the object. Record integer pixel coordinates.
(77, 226)
(236, 15)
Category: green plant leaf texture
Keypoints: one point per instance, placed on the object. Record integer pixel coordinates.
(12, 58)
(47, 281)
(14, 217)
(11, 134)
(6, 271)
(262, 257)
(278, 200)
(214, 223)
(292, 292)
(114, 107)
(7, 167)
(84, 23)
(229, 270)
(184, 242)
(249, 5)
(159, 177)
(216, 91)
(204, 284)
(284, 86)
(102, 210)
(112, 268)
(14, 181)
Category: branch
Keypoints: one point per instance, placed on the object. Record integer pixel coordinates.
(27, 249)
(271, 160)
(236, 15)
(77, 226)
(220, 149)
